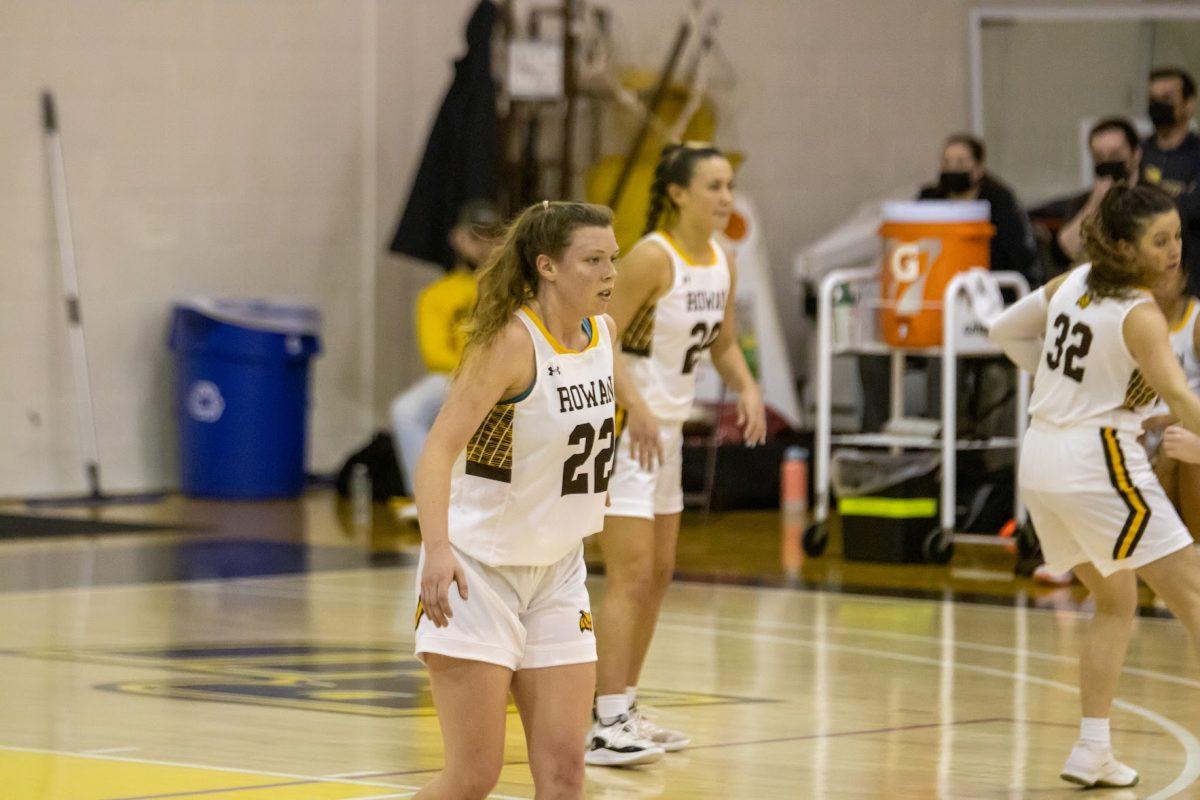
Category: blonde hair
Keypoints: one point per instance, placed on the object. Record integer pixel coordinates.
(509, 279)
(1122, 217)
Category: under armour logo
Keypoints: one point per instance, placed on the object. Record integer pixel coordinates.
(553, 370)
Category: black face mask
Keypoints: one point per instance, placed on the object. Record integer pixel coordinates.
(1161, 114)
(955, 182)
(1112, 169)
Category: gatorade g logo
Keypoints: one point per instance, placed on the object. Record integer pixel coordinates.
(909, 264)
(204, 402)
(906, 262)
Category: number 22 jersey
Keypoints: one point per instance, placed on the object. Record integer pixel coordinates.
(1087, 376)
(666, 338)
(532, 481)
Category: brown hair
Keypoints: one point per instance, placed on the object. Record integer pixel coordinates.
(1122, 217)
(510, 277)
(676, 164)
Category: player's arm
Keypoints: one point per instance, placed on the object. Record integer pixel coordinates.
(642, 429)
(731, 364)
(643, 276)
(1019, 330)
(1147, 336)
(505, 368)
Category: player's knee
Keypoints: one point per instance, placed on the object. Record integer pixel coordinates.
(663, 574)
(633, 576)
(475, 781)
(560, 773)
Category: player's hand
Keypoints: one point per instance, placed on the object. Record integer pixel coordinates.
(440, 570)
(751, 416)
(641, 426)
(1181, 444)
(1159, 422)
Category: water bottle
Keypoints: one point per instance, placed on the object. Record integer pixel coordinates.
(360, 495)
(793, 481)
(843, 315)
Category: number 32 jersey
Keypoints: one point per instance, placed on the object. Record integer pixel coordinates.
(532, 481)
(1086, 376)
(667, 338)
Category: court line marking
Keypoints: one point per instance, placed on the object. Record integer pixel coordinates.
(301, 778)
(160, 763)
(1189, 743)
(912, 637)
(107, 750)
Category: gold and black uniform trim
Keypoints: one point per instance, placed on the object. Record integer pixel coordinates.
(1138, 393)
(489, 453)
(420, 613)
(640, 334)
(1139, 511)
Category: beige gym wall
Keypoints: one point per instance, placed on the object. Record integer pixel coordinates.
(264, 147)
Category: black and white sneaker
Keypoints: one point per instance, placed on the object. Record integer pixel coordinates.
(667, 738)
(619, 744)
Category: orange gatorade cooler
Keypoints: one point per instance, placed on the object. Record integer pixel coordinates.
(925, 244)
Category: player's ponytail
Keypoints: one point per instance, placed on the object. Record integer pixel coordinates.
(510, 277)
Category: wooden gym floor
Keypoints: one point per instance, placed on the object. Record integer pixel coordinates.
(264, 653)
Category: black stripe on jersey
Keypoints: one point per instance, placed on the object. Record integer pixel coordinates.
(639, 336)
(1138, 393)
(1139, 512)
(489, 453)
(487, 471)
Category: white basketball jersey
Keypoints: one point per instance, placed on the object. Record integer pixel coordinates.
(666, 338)
(1183, 342)
(1183, 345)
(532, 481)
(1086, 375)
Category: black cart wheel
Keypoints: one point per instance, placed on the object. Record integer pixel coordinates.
(815, 539)
(938, 546)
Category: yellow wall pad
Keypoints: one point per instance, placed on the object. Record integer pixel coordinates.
(888, 507)
(46, 775)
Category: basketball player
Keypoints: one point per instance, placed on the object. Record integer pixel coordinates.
(512, 478)
(1094, 499)
(1180, 479)
(673, 301)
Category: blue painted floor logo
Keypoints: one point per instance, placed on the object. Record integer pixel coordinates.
(369, 681)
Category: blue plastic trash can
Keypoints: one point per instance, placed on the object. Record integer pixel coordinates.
(242, 396)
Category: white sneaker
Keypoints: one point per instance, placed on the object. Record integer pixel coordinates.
(618, 744)
(670, 740)
(1090, 766)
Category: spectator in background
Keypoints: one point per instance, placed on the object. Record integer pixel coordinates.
(1116, 157)
(442, 311)
(964, 176)
(1171, 155)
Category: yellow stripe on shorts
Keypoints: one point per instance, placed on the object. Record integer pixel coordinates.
(1139, 511)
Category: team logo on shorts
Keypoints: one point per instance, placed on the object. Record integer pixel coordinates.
(585, 621)
(417, 616)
